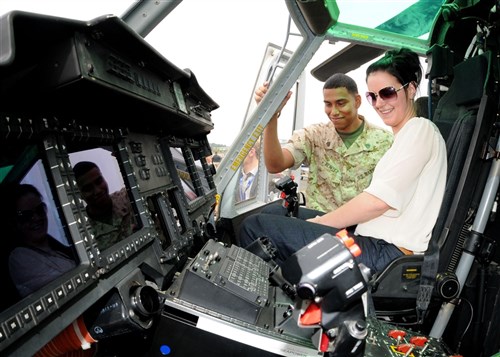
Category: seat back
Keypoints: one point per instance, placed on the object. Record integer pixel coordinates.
(466, 139)
(465, 116)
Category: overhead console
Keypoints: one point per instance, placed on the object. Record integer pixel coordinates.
(101, 69)
(95, 91)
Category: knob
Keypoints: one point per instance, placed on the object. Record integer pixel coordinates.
(306, 291)
(447, 285)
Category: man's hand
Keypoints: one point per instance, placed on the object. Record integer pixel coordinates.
(261, 92)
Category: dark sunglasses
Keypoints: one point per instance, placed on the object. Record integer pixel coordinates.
(26, 216)
(387, 94)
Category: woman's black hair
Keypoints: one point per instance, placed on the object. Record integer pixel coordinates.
(12, 192)
(404, 64)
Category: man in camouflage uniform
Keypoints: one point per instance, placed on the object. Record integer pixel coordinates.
(110, 215)
(341, 154)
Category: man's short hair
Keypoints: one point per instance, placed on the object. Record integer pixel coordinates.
(216, 158)
(83, 167)
(256, 146)
(339, 80)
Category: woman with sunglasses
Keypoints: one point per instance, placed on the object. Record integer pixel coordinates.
(38, 258)
(396, 213)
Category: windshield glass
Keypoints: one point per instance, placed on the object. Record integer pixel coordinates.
(407, 17)
(225, 48)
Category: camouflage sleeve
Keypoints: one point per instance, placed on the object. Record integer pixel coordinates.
(299, 146)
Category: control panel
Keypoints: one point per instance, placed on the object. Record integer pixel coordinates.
(230, 281)
(387, 340)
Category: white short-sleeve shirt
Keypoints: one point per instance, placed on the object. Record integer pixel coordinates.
(411, 178)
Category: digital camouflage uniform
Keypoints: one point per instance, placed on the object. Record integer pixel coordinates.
(122, 225)
(337, 173)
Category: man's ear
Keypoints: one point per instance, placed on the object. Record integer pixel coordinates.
(357, 99)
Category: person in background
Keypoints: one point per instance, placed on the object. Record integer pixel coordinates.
(247, 180)
(341, 153)
(216, 160)
(38, 258)
(111, 215)
(396, 213)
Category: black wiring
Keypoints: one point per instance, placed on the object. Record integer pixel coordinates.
(459, 344)
(478, 19)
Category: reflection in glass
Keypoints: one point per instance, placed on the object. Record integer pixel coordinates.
(35, 250)
(190, 171)
(249, 174)
(38, 258)
(111, 215)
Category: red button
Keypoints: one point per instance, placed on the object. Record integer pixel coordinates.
(397, 333)
(405, 347)
(312, 315)
(419, 340)
(342, 235)
(355, 250)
